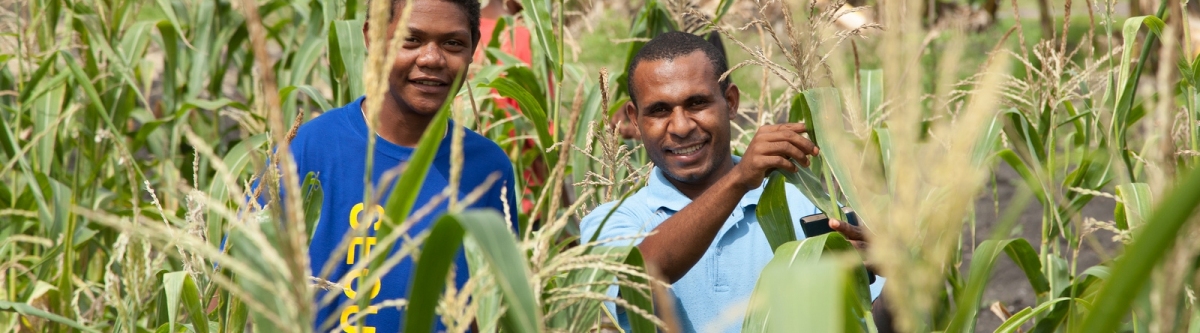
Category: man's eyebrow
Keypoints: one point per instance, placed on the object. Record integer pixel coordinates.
(656, 106)
(698, 98)
(455, 33)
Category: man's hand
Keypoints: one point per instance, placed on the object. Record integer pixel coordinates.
(773, 148)
(857, 237)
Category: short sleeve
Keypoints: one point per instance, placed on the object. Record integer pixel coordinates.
(623, 224)
(619, 229)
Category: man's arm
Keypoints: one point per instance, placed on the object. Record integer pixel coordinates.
(681, 240)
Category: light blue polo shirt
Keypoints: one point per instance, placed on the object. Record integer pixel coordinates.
(713, 295)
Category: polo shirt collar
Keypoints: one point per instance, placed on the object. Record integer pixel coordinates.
(663, 194)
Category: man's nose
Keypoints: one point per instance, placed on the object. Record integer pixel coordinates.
(681, 124)
(430, 56)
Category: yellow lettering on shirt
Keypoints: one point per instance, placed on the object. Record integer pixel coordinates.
(350, 327)
(357, 210)
(365, 242)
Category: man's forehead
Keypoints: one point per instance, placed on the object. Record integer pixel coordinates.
(685, 73)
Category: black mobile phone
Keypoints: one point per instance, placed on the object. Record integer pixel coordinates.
(818, 224)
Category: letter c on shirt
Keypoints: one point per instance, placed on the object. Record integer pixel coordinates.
(354, 275)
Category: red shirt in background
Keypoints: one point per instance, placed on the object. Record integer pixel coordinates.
(515, 41)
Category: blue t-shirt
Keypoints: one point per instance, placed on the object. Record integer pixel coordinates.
(334, 146)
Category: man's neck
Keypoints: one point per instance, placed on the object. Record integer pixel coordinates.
(694, 190)
(399, 126)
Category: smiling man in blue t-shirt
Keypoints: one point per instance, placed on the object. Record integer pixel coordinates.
(442, 38)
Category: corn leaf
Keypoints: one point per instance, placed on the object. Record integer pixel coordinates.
(1134, 207)
(1085, 289)
(870, 91)
(179, 286)
(531, 109)
(543, 27)
(1131, 271)
(1014, 323)
(827, 125)
(29, 310)
(773, 213)
(636, 297)
(982, 262)
(313, 198)
(797, 272)
(347, 48)
(498, 246)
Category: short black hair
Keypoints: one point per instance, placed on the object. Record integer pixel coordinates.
(671, 45)
(471, 7)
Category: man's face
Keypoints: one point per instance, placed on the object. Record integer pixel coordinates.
(683, 116)
(436, 50)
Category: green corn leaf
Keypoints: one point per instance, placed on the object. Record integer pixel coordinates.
(636, 297)
(1022, 169)
(1132, 270)
(982, 262)
(839, 295)
(722, 8)
(1085, 288)
(538, 16)
(825, 105)
(1129, 30)
(169, 10)
(29, 310)
(871, 93)
(203, 48)
(531, 109)
(347, 47)
(494, 43)
(583, 313)
(498, 246)
(314, 196)
(1134, 207)
(237, 161)
(1128, 80)
(988, 142)
(179, 286)
(1014, 323)
(773, 214)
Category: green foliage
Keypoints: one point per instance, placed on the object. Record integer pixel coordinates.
(130, 131)
(774, 215)
(811, 269)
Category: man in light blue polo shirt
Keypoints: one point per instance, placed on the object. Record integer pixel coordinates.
(700, 200)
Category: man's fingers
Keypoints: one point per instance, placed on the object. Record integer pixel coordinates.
(787, 150)
(782, 163)
(795, 127)
(860, 245)
(851, 232)
(804, 144)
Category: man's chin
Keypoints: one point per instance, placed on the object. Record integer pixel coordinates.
(686, 176)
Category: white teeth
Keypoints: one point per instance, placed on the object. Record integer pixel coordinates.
(429, 83)
(688, 150)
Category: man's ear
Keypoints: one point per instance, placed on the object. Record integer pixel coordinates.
(631, 114)
(732, 97)
(366, 28)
